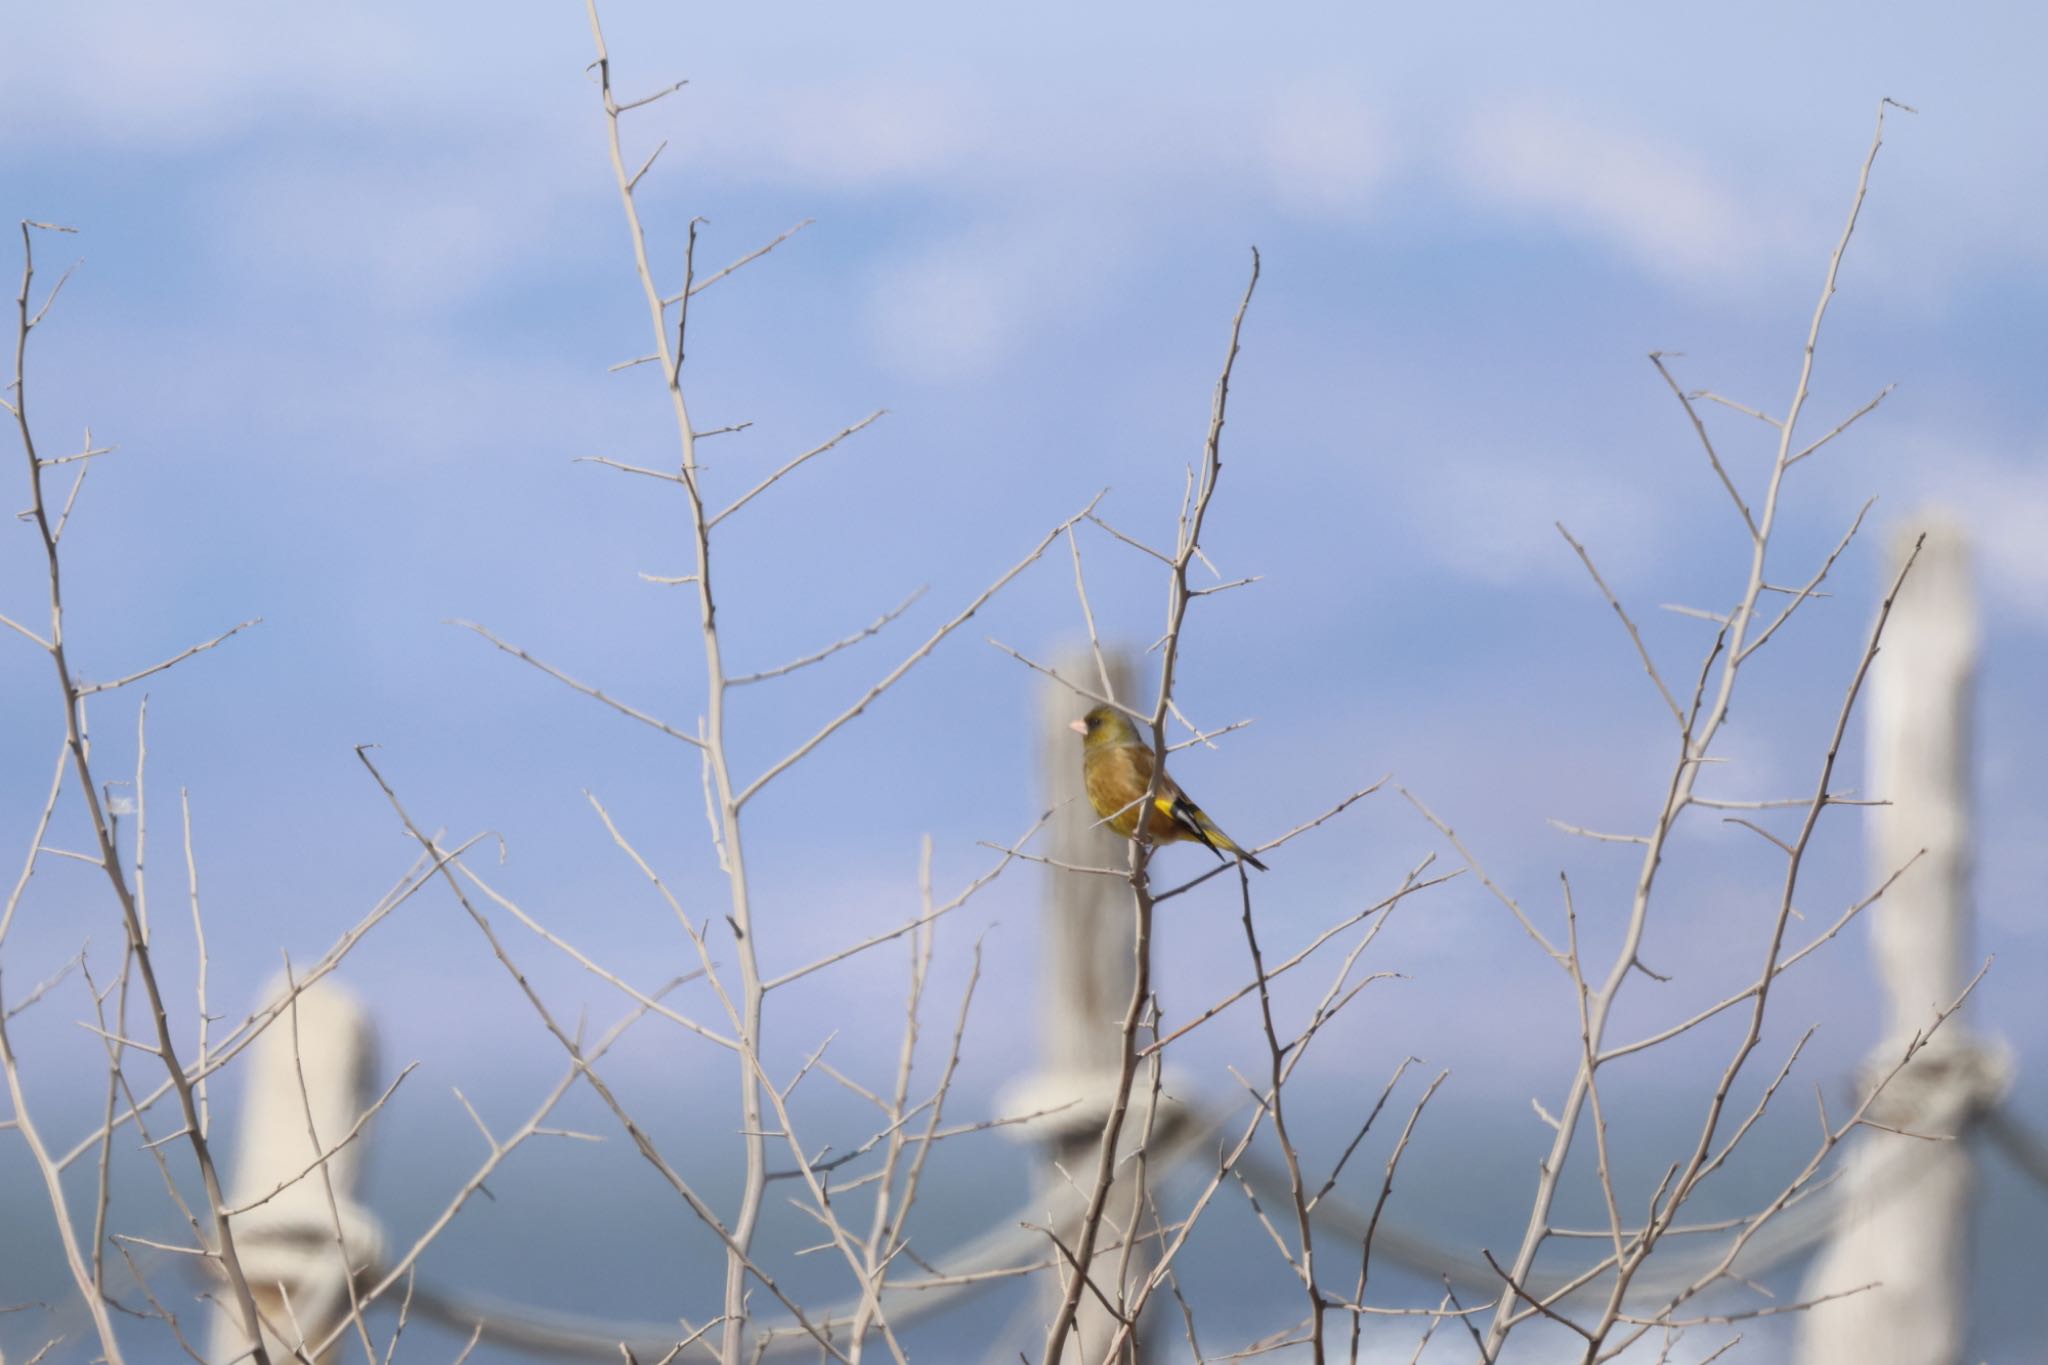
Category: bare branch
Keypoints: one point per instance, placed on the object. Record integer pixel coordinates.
(1698, 732)
(1132, 541)
(1187, 549)
(51, 298)
(630, 105)
(647, 165)
(873, 628)
(1812, 583)
(756, 254)
(1409, 886)
(585, 688)
(1707, 442)
(1697, 613)
(24, 631)
(665, 475)
(81, 1277)
(743, 499)
(924, 919)
(1642, 651)
(1514, 906)
(916, 656)
(1843, 425)
(642, 1142)
(73, 694)
(1599, 837)
(1745, 409)
(86, 689)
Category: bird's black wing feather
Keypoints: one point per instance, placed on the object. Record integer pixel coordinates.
(1188, 816)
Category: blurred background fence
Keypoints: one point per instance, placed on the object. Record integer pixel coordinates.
(1895, 1228)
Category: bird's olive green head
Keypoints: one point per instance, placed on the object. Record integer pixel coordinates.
(1105, 727)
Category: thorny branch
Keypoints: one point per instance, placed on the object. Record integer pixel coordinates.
(73, 693)
(1699, 725)
(1141, 893)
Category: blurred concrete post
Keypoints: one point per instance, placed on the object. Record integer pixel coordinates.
(1085, 981)
(1086, 985)
(287, 1242)
(1907, 1201)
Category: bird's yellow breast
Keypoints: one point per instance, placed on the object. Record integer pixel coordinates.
(1116, 779)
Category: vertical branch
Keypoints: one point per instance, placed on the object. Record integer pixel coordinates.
(141, 803)
(74, 693)
(1696, 740)
(1190, 544)
(1087, 977)
(881, 1229)
(35, 843)
(83, 1278)
(199, 936)
(115, 1085)
(1178, 597)
(726, 808)
(1277, 1054)
(1906, 1210)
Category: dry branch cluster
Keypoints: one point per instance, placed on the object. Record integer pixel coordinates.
(1109, 1240)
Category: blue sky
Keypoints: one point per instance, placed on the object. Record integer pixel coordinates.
(352, 282)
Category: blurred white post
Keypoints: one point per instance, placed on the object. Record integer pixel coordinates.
(1085, 981)
(1907, 1201)
(288, 1242)
(1086, 984)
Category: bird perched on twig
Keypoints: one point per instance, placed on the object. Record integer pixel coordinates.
(1116, 770)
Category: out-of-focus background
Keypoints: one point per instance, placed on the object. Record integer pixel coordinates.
(351, 285)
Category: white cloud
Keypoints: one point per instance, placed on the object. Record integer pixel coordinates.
(2004, 504)
(1493, 520)
(157, 76)
(398, 237)
(1990, 478)
(843, 134)
(1325, 149)
(947, 313)
(1659, 204)
(959, 308)
(858, 133)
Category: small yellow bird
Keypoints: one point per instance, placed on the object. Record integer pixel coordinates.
(1116, 769)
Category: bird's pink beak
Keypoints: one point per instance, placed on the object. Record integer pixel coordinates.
(1079, 727)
